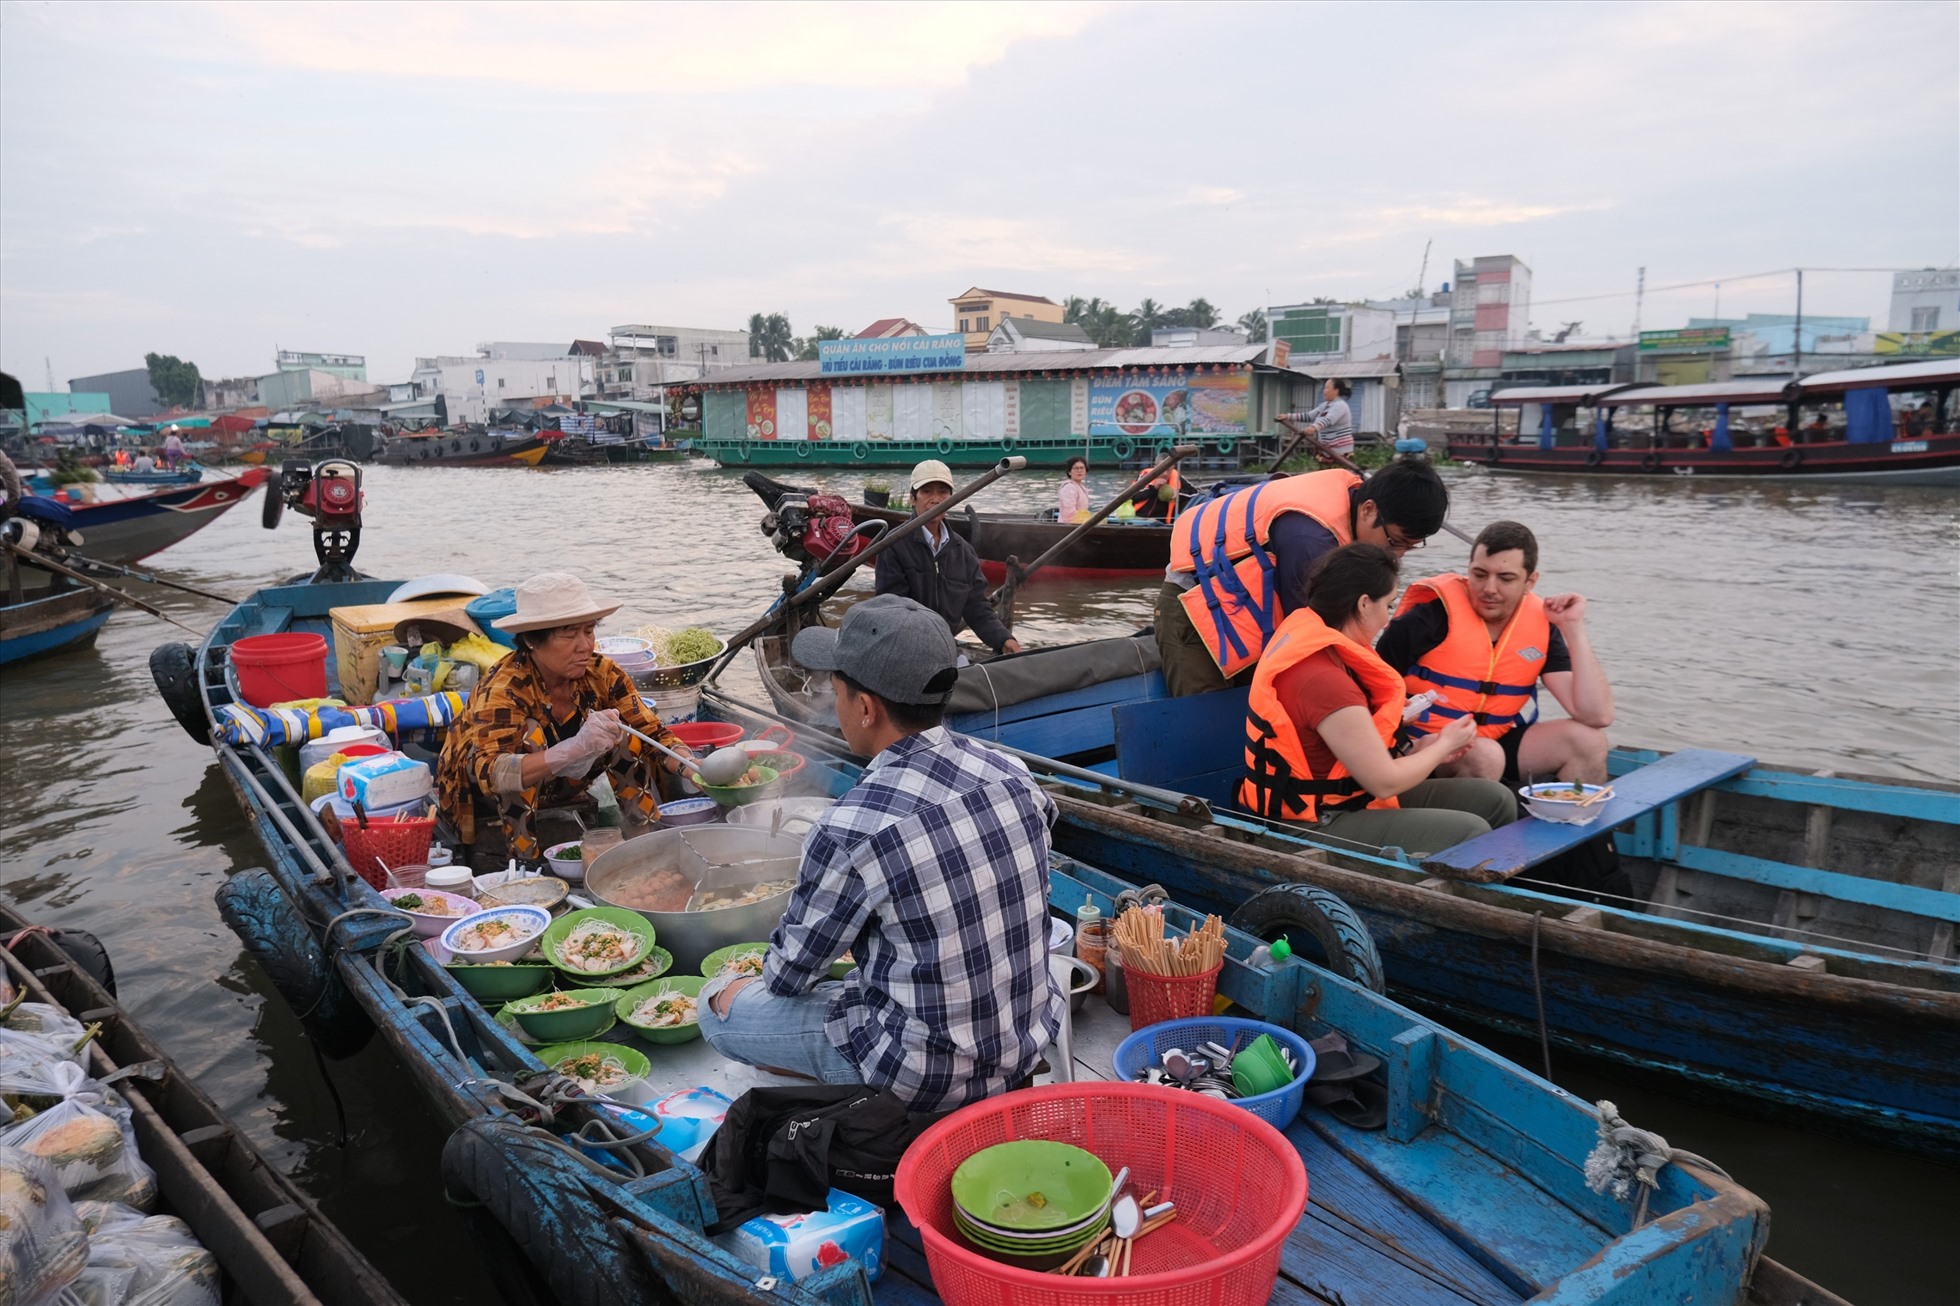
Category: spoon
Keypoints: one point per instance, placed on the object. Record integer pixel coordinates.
(1096, 1267)
(1126, 1217)
(722, 767)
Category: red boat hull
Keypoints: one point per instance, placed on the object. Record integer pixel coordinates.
(1921, 460)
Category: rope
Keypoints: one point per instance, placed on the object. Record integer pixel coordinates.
(1538, 992)
(1626, 1156)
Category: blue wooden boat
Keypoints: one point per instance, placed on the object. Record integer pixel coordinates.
(1791, 944)
(1475, 1192)
(189, 474)
(49, 620)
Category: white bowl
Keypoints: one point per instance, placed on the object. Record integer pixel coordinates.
(1061, 935)
(427, 924)
(566, 868)
(529, 921)
(1564, 810)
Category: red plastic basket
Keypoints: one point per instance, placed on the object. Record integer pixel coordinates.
(1169, 997)
(1240, 1189)
(401, 841)
(700, 735)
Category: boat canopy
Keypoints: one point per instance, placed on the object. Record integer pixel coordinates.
(1584, 396)
(1893, 376)
(1767, 390)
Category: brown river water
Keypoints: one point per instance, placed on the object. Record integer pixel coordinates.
(1807, 626)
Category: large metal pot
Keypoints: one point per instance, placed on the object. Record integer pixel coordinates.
(692, 935)
(790, 816)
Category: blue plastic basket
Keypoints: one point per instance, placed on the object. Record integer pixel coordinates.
(1276, 1108)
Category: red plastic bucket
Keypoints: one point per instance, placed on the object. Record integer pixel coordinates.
(280, 668)
(706, 734)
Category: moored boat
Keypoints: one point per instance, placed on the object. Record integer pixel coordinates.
(189, 474)
(463, 449)
(1476, 1191)
(131, 528)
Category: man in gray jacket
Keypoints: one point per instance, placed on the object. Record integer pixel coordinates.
(939, 570)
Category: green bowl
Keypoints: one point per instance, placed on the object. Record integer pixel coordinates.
(658, 962)
(501, 983)
(1261, 1068)
(593, 1015)
(712, 963)
(688, 984)
(638, 1068)
(995, 1184)
(630, 921)
(743, 795)
(975, 1234)
(842, 967)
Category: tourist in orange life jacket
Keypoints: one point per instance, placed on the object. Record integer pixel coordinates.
(1161, 498)
(1484, 643)
(1240, 563)
(1323, 722)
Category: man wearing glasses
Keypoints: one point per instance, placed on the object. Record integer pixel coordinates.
(1240, 563)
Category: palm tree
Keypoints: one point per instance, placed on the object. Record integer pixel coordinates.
(770, 337)
(807, 349)
(1074, 308)
(1149, 315)
(1111, 327)
(1254, 325)
(1200, 313)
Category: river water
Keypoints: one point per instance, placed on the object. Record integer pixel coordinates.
(1808, 626)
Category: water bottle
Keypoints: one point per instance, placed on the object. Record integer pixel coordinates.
(1268, 956)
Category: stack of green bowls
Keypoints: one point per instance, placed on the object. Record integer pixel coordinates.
(1033, 1202)
(1261, 1068)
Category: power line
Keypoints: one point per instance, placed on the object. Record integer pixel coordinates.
(1712, 281)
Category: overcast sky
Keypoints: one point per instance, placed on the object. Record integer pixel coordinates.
(218, 181)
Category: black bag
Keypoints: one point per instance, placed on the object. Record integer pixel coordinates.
(1590, 872)
(781, 1150)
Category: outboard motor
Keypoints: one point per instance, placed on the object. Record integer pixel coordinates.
(329, 492)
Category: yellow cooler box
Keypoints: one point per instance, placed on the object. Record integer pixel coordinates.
(361, 632)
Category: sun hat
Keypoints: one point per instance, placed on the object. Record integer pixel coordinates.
(898, 649)
(553, 598)
(931, 471)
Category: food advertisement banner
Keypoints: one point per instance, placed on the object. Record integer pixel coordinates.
(896, 355)
(762, 414)
(1170, 401)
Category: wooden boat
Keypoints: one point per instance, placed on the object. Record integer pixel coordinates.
(47, 620)
(1100, 450)
(1863, 443)
(271, 1241)
(463, 449)
(129, 529)
(1792, 944)
(189, 474)
(1476, 1191)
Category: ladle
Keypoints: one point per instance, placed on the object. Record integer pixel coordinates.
(722, 767)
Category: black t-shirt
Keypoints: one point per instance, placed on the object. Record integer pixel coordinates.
(1426, 625)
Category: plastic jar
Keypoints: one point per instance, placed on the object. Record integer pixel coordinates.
(451, 879)
(1092, 939)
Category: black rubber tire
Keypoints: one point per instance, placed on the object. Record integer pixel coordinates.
(89, 956)
(275, 502)
(1491, 456)
(270, 928)
(552, 1216)
(1791, 460)
(174, 669)
(1594, 457)
(1650, 462)
(1329, 924)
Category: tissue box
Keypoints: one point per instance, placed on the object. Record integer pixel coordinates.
(385, 781)
(795, 1247)
(687, 1119)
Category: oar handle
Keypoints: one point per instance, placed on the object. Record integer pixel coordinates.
(1300, 435)
(1017, 573)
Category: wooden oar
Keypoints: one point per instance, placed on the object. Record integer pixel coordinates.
(45, 563)
(1301, 435)
(118, 569)
(1003, 598)
(827, 583)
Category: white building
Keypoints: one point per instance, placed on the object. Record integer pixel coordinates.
(1025, 335)
(471, 386)
(1336, 332)
(313, 387)
(642, 358)
(1188, 337)
(1927, 299)
(1490, 310)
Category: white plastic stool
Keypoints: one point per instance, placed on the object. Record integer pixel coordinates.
(1060, 1054)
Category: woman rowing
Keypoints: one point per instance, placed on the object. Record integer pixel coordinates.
(541, 727)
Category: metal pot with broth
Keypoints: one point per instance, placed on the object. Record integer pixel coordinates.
(736, 881)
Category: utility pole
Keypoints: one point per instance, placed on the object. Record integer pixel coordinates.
(1639, 294)
(1796, 342)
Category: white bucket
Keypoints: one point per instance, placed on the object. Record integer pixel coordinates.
(675, 705)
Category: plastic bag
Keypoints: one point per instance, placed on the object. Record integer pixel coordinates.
(44, 1022)
(142, 1260)
(475, 649)
(42, 1245)
(84, 1134)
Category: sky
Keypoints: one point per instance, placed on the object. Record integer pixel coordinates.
(219, 181)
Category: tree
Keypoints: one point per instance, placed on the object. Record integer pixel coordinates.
(174, 380)
(807, 349)
(1200, 313)
(1148, 317)
(1073, 309)
(1254, 325)
(771, 338)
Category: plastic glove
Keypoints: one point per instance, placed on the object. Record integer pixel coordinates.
(600, 734)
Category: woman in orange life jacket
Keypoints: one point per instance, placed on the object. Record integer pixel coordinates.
(1323, 721)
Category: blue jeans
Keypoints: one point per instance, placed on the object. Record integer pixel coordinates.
(777, 1033)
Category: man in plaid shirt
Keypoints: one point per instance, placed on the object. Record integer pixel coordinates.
(932, 872)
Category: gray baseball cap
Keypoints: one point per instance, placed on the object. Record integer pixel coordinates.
(896, 648)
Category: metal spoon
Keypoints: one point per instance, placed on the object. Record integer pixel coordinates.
(1125, 1217)
(1096, 1267)
(722, 767)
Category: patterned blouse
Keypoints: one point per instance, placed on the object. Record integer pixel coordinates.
(509, 715)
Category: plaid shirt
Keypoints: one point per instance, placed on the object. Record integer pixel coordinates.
(933, 871)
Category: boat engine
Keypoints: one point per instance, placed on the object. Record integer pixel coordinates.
(329, 492)
(811, 528)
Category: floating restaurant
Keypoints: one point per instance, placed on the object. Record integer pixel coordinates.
(890, 403)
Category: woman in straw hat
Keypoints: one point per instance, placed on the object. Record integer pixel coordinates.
(541, 726)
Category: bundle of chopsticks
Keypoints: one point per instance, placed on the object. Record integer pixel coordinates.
(1140, 933)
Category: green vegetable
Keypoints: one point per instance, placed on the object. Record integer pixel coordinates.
(695, 644)
(408, 901)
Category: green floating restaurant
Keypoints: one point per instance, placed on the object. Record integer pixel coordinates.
(891, 403)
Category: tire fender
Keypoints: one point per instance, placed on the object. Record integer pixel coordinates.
(861, 450)
(802, 448)
(1491, 456)
(275, 502)
(945, 448)
(1594, 457)
(88, 955)
(1791, 460)
(174, 669)
(270, 927)
(1124, 447)
(1650, 462)
(1307, 913)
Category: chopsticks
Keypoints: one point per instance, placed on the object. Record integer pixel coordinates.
(1140, 932)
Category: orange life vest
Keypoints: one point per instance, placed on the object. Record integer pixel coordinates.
(1471, 676)
(1235, 605)
(1279, 782)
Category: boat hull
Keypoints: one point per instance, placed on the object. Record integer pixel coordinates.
(154, 478)
(1928, 460)
(52, 624)
(464, 451)
(1118, 552)
(1100, 450)
(131, 529)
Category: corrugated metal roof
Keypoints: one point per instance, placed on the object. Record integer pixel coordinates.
(1583, 395)
(1371, 367)
(1053, 360)
(1934, 371)
(1760, 391)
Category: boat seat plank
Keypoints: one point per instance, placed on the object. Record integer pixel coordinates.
(981, 721)
(1933, 904)
(271, 621)
(1193, 745)
(1058, 734)
(1512, 849)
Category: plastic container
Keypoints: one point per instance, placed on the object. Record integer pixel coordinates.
(1240, 1190)
(675, 707)
(439, 856)
(704, 736)
(1116, 983)
(382, 844)
(1277, 1108)
(488, 608)
(280, 668)
(345, 739)
(1157, 998)
(451, 879)
(1092, 939)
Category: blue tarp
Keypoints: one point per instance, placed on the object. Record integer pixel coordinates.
(1867, 416)
(1720, 440)
(1545, 437)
